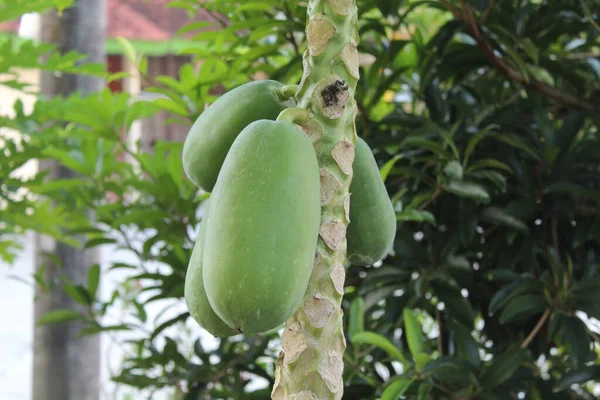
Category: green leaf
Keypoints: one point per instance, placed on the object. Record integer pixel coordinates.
(459, 263)
(571, 126)
(531, 49)
(396, 388)
(579, 376)
(494, 177)
(414, 334)
(78, 293)
(454, 171)
(93, 279)
(58, 316)
(575, 335)
(503, 367)
(450, 369)
(592, 310)
(99, 242)
(488, 163)
(356, 323)
(466, 346)
(60, 185)
(170, 105)
(166, 324)
(128, 49)
(469, 190)
(474, 141)
(93, 330)
(436, 148)
(523, 307)
(468, 228)
(572, 189)
(510, 291)
(586, 286)
(387, 167)
(424, 391)
(253, 6)
(416, 216)
(379, 341)
(457, 306)
(498, 216)
(421, 361)
(516, 142)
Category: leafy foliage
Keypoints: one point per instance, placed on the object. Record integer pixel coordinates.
(491, 157)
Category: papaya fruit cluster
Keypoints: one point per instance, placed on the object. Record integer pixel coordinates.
(254, 253)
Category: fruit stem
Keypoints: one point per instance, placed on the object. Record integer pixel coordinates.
(286, 92)
(311, 364)
(298, 116)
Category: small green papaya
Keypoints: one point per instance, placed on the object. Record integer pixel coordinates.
(213, 133)
(263, 227)
(195, 295)
(372, 226)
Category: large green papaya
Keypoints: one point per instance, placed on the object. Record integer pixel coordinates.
(372, 227)
(195, 295)
(263, 227)
(213, 133)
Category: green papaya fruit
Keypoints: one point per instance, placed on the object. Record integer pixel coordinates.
(213, 133)
(195, 295)
(263, 227)
(372, 228)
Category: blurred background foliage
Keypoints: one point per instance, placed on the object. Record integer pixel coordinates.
(483, 116)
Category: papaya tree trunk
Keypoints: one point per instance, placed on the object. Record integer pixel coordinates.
(311, 363)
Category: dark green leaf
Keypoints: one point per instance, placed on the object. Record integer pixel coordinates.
(98, 242)
(514, 141)
(469, 190)
(498, 216)
(436, 148)
(579, 376)
(523, 307)
(466, 346)
(575, 335)
(450, 369)
(573, 189)
(78, 293)
(509, 292)
(503, 367)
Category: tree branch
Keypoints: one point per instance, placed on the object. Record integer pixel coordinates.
(487, 12)
(589, 14)
(453, 10)
(536, 329)
(473, 30)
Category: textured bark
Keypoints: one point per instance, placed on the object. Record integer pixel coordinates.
(311, 363)
(66, 366)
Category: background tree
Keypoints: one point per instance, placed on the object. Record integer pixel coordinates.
(67, 366)
(483, 116)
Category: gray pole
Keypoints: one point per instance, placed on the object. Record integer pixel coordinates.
(67, 367)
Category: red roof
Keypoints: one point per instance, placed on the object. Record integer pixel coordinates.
(10, 26)
(140, 20)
